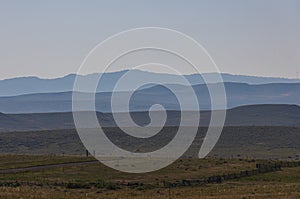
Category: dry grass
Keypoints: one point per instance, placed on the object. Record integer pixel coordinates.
(280, 184)
(19, 161)
(226, 191)
(182, 169)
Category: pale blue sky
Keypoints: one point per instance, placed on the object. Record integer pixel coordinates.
(51, 38)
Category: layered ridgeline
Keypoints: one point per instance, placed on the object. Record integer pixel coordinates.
(238, 94)
(254, 115)
(35, 113)
(30, 85)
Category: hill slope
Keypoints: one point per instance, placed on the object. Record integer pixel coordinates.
(255, 115)
(238, 94)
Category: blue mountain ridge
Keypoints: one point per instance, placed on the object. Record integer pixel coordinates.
(237, 94)
(31, 85)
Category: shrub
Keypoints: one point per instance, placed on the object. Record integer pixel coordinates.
(100, 184)
(78, 185)
(111, 186)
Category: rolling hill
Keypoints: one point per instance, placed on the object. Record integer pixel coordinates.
(254, 115)
(238, 94)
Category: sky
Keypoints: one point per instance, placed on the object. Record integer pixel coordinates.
(51, 38)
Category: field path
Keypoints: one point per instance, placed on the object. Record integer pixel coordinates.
(48, 166)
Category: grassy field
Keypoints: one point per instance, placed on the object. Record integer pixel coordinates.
(235, 142)
(98, 181)
(19, 161)
(239, 149)
(182, 169)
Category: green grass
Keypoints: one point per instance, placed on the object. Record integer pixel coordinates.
(19, 161)
(287, 175)
(182, 169)
(99, 181)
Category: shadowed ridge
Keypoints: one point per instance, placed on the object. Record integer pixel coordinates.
(268, 106)
(252, 115)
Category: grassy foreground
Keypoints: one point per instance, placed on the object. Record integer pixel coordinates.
(98, 181)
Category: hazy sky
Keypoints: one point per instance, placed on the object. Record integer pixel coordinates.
(51, 38)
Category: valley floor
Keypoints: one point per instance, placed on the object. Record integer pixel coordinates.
(97, 181)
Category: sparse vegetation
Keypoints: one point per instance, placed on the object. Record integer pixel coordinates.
(225, 178)
(246, 142)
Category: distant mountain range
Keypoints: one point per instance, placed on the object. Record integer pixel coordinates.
(262, 111)
(255, 115)
(238, 94)
(31, 85)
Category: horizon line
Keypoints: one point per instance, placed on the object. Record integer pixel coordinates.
(146, 71)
